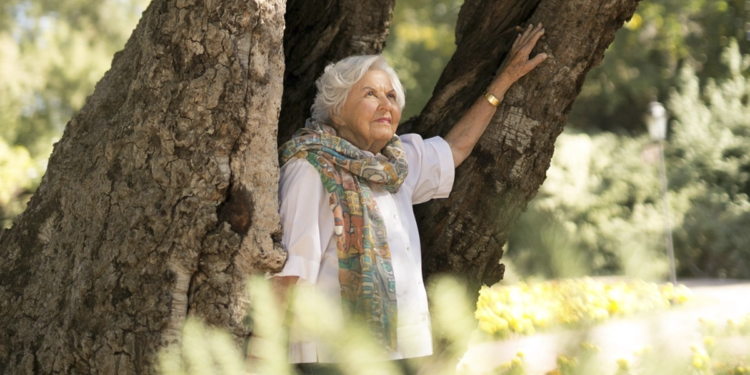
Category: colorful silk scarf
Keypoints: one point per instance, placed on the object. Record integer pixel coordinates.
(368, 286)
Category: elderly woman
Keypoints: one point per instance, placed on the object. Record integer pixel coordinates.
(347, 188)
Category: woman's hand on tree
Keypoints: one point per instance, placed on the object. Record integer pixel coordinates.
(464, 135)
(517, 64)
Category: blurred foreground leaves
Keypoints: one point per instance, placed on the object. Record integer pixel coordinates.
(203, 350)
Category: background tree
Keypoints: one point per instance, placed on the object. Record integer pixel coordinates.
(160, 197)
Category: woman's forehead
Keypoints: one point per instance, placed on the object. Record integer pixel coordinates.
(376, 79)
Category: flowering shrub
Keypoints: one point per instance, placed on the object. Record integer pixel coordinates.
(734, 327)
(525, 308)
(705, 358)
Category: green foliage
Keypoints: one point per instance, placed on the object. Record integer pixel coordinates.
(710, 168)
(599, 212)
(18, 176)
(419, 46)
(52, 53)
(643, 61)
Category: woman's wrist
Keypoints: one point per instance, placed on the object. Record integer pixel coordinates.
(492, 99)
(499, 86)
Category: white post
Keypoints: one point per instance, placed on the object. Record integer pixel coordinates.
(656, 119)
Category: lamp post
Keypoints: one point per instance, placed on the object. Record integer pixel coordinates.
(656, 119)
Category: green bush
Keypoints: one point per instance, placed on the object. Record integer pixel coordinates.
(599, 211)
(710, 168)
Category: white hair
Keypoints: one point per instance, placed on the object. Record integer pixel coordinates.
(337, 81)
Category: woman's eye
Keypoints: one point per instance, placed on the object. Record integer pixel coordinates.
(392, 96)
(370, 93)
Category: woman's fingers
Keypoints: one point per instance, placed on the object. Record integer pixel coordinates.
(527, 40)
(538, 59)
(531, 37)
(529, 32)
(518, 61)
(515, 42)
(538, 32)
(523, 37)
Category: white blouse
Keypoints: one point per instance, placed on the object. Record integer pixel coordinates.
(308, 237)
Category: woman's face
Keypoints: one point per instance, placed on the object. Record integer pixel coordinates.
(370, 114)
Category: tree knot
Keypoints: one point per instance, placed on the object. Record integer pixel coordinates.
(237, 210)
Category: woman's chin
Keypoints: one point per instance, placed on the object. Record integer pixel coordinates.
(382, 133)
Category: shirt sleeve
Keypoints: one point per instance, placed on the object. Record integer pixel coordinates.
(304, 205)
(431, 170)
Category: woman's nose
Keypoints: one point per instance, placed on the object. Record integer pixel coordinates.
(385, 104)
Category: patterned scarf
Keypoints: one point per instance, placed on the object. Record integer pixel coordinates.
(368, 286)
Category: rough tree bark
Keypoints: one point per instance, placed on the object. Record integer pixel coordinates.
(161, 196)
(465, 233)
(159, 199)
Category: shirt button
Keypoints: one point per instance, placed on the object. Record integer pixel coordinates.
(408, 248)
(395, 216)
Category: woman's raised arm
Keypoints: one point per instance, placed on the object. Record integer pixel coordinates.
(465, 134)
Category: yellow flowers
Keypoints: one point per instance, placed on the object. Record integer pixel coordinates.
(701, 360)
(678, 295)
(710, 358)
(623, 364)
(709, 342)
(740, 326)
(515, 366)
(525, 308)
(591, 347)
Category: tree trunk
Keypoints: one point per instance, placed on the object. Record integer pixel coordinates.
(465, 233)
(160, 198)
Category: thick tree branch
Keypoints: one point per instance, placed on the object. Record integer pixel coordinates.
(465, 233)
